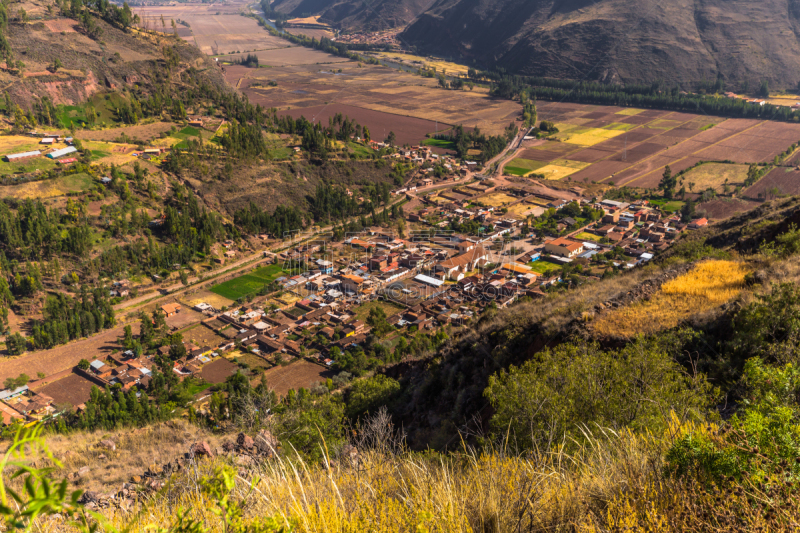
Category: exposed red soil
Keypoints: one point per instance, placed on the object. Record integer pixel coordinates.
(298, 374)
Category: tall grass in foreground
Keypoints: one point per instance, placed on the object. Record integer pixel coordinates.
(615, 482)
(703, 288)
(612, 482)
(470, 491)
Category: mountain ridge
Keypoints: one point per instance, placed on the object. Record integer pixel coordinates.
(689, 42)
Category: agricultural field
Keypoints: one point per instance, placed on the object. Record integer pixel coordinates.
(585, 136)
(714, 176)
(497, 199)
(408, 130)
(441, 66)
(281, 57)
(583, 236)
(780, 181)
(51, 188)
(214, 28)
(299, 374)
(142, 132)
(543, 267)
(522, 167)
(248, 284)
(520, 210)
(206, 296)
(308, 88)
(706, 286)
(311, 33)
(560, 168)
(636, 154)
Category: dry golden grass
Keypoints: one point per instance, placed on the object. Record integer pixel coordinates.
(136, 450)
(393, 492)
(497, 199)
(706, 286)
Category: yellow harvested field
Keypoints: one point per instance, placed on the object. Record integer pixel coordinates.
(521, 210)
(11, 144)
(630, 111)
(560, 168)
(708, 285)
(51, 188)
(586, 136)
(714, 176)
(497, 199)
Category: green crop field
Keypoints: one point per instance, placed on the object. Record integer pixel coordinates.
(588, 236)
(439, 143)
(669, 206)
(520, 167)
(543, 267)
(248, 284)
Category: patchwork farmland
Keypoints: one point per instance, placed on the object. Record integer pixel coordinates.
(633, 146)
(325, 81)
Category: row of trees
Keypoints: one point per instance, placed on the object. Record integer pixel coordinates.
(631, 95)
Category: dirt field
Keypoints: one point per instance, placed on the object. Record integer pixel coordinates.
(218, 371)
(726, 207)
(497, 199)
(73, 390)
(295, 55)
(298, 374)
(637, 155)
(63, 357)
(714, 176)
(407, 129)
(143, 132)
(202, 336)
(377, 88)
(208, 297)
(223, 34)
(780, 181)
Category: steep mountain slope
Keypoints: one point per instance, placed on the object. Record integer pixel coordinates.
(686, 41)
(357, 15)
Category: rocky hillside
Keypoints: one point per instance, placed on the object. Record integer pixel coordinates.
(616, 40)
